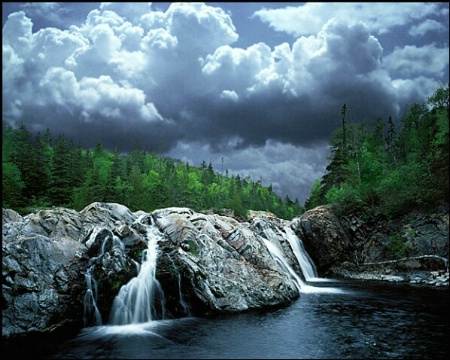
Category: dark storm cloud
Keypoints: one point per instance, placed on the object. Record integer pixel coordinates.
(122, 133)
(230, 125)
(301, 121)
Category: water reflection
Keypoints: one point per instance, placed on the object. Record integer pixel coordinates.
(364, 321)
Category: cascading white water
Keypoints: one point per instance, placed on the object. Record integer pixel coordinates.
(115, 242)
(90, 299)
(278, 255)
(135, 302)
(304, 260)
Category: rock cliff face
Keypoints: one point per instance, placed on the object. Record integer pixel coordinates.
(414, 249)
(62, 269)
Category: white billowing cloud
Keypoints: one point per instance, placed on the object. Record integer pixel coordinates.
(130, 11)
(97, 17)
(209, 27)
(153, 20)
(160, 39)
(379, 17)
(150, 65)
(412, 61)
(12, 67)
(60, 86)
(53, 46)
(105, 42)
(17, 32)
(339, 50)
(129, 66)
(426, 26)
(131, 37)
(413, 90)
(90, 96)
(277, 75)
(149, 112)
(143, 49)
(236, 68)
(352, 46)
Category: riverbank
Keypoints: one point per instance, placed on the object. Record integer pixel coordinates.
(410, 270)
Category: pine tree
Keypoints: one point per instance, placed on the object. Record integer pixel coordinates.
(22, 157)
(60, 191)
(12, 183)
(40, 175)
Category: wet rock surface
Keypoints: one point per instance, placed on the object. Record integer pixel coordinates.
(64, 268)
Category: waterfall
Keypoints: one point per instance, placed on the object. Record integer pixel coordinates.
(90, 299)
(183, 303)
(304, 260)
(115, 242)
(135, 302)
(278, 256)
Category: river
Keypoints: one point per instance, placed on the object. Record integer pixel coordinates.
(342, 320)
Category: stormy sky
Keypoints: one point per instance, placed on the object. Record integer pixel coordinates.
(254, 88)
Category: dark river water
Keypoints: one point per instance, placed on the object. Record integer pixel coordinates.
(345, 320)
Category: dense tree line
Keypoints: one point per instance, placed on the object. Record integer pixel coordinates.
(38, 172)
(382, 169)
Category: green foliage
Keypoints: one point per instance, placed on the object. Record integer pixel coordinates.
(315, 197)
(60, 191)
(397, 245)
(381, 169)
(193, 247)
(345, 197)
(75, 177)
(12, 185)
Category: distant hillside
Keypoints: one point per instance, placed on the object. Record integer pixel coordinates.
(40, 172)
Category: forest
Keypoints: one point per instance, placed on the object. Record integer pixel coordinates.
(39, 172)
(378, 168)
(375, 166)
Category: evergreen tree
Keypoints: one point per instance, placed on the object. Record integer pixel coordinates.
(60, 191)
(344, 134)
(40, 175)
(22, 157)
(394, 172)
(12, 183)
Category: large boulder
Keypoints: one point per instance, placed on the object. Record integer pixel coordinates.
(42, 271)
(225, 264)
(64, 269)
(411, 249)
(324, 238)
